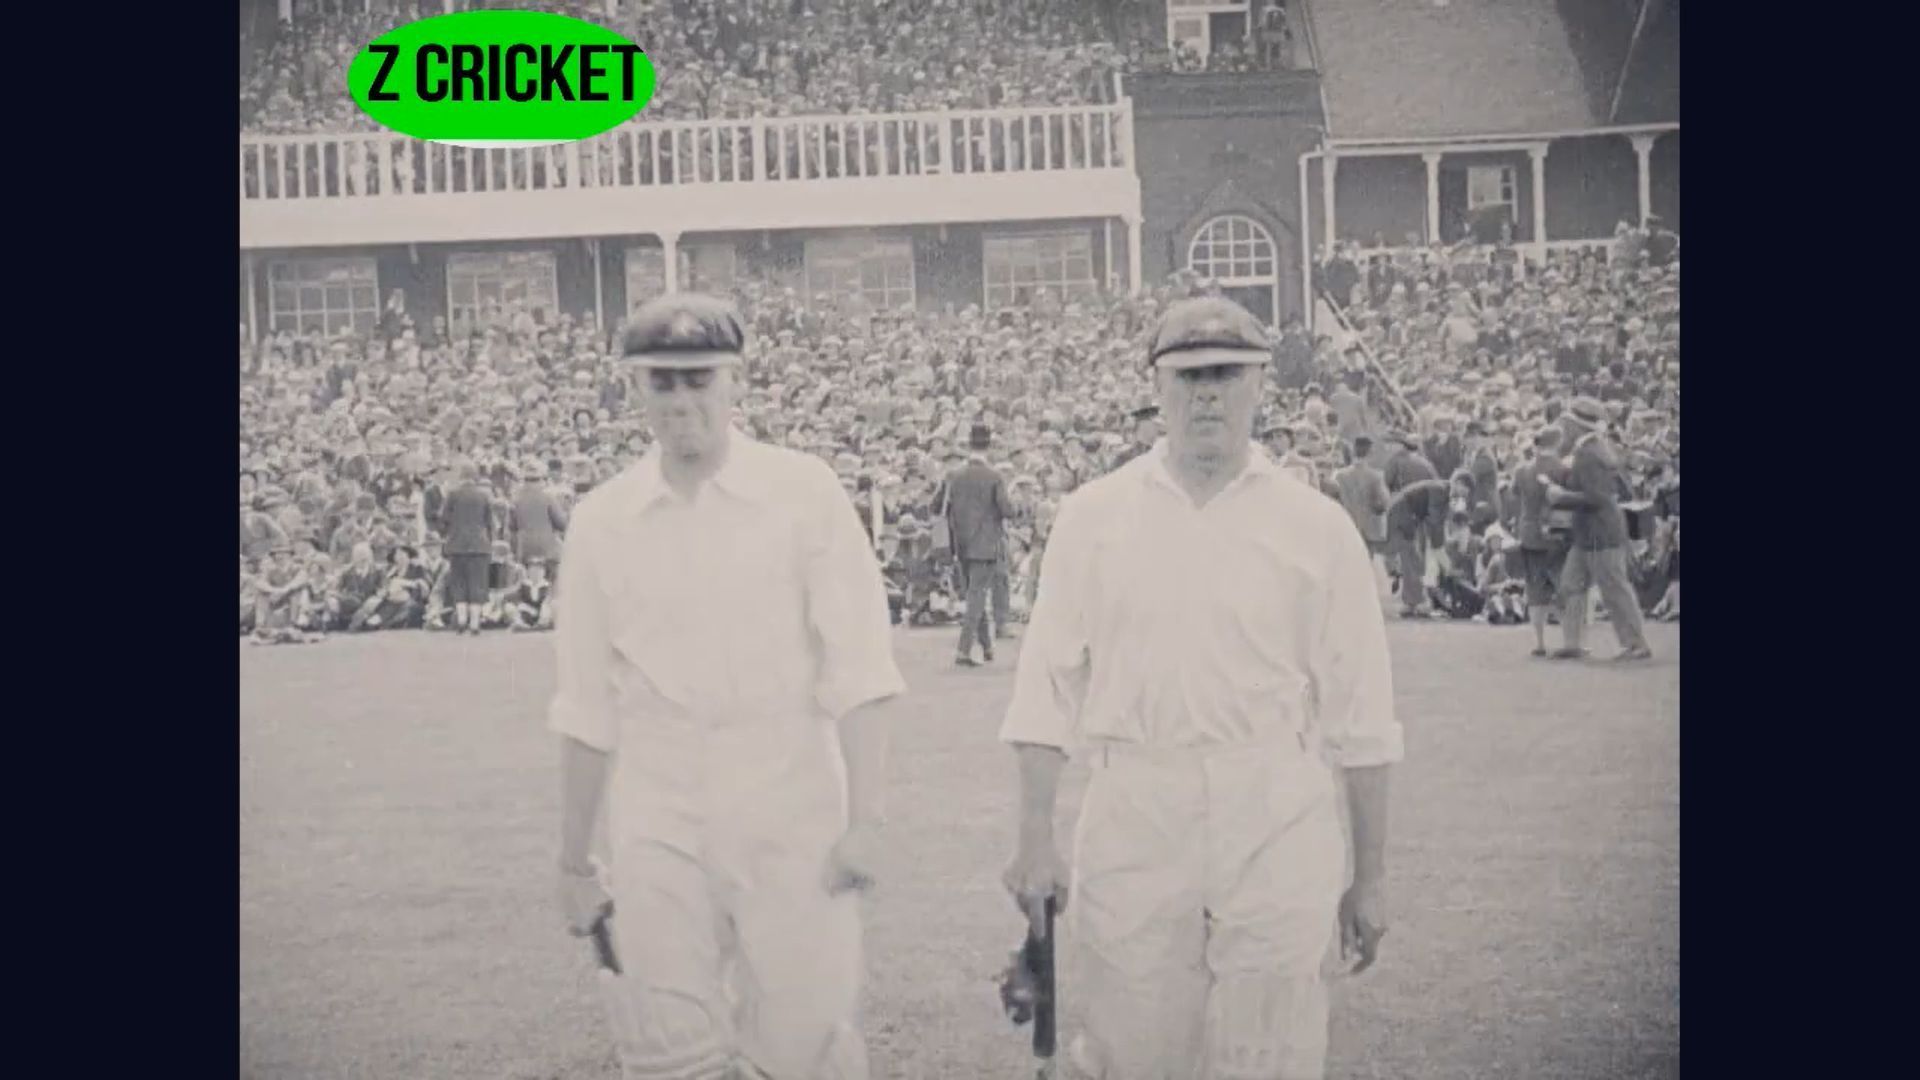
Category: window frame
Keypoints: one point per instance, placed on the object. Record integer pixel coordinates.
(456, 273)
(1203, 11)
(1508, 183)
(298, 285)
(1066, 289)
(1258, 234)
(845, 260)
(632, 256)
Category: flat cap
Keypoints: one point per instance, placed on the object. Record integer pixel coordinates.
(684, 330)
(1205, 331)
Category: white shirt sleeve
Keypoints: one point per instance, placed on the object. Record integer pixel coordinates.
(846, 604)
(1352, 674)
(1056, 661)
(582, 705)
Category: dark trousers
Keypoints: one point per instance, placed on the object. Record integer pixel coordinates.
(984, 578)
(1606, 568)
(1412, 559)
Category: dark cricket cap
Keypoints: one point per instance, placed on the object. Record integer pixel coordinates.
(684, 330)
(1205, 331)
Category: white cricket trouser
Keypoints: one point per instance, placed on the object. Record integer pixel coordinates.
(735, 956)
(1206, 885)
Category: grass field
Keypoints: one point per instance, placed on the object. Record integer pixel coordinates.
(398, 823)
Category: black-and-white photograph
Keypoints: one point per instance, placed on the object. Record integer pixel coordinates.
(976, 539)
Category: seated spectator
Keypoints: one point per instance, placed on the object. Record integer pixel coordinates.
(530, 606)
(358, 590)
(403, 594)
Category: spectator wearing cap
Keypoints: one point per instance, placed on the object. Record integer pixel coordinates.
(358, 588)
(978, 509)
(259, 531)
(1543, 541)
(1598, 555)
(536, 520)
(1349, 407)
(1280, 441)
(1443, 447)
(1363, 492)
(282, 582)
(1407, 465)
(1416, 528)
(1189, 599)
(466, 521)
(722, 609)
(1146, 432)
(433, 561)
(403, 594)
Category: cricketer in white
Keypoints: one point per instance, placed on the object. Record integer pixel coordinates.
(1208, 637)
(722, 637)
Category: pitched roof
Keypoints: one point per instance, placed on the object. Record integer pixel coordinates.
(1422, 68)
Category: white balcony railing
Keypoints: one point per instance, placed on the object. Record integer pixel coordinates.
(772, 150)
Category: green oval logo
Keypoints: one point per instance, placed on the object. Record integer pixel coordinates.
(493, 76)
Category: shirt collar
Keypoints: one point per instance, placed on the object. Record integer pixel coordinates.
(1159, 469)
(744, 476)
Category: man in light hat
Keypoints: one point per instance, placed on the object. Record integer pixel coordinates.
(1598, 555)
(722, 641)
(1207, 636)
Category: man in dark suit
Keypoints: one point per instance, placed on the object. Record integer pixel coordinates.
(978, 507)
(1443, 447)
(467, 523)
(1417, 524)
(1543, 547)
(1407, 464)
(1363, 491)
(1599, 552)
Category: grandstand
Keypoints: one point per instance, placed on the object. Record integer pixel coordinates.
(1003, 149)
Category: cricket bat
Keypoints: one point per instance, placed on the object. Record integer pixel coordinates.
(1028, 990)
(615, 996)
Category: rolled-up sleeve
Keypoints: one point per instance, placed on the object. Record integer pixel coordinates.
(1353, 676)
(846, 606)
(1050, 680)
(582, 706)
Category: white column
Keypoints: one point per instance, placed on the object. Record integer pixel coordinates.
(286, 10)
(1134, 284)
(1306, 251)
(1643, 150)
(253, 304)
(670, 253)
(1329, 168)
(1539, 156)
(1106, 226)
(1433, 197)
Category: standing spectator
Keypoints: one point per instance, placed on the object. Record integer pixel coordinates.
(1350, 407)
(1363, 491)
(1542, 550)
(978, 508)
(1443, 447)
(467, 524)
(1407, 465)
(1416, 524)
(536, 519)
(1599, 552)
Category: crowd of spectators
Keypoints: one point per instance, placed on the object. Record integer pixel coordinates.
(770, 58)
(350, 443)
(1488, 346)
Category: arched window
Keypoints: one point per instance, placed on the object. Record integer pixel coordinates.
(1237, 252)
